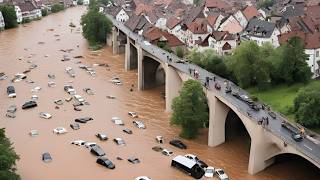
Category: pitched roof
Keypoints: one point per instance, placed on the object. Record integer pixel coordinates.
(136, 23)
(231, 25)
(198, 26)
(113, 10)
(249, 12)
(27, 6)
(314, 13)
(155, 34)
(192, 14)
(172, 22)
(259, 28)
(219, 4)
(143, 8)
(305, 24)
(212, 20)
(311, 41)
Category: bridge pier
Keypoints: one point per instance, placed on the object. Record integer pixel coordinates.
(140, 68)
(115, 43)
(173, 86)
(127, 55)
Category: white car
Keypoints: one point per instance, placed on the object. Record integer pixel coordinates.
(18, 77)
(79, 98)
(45, 115)
(71, 72)
(34, 97)
(209, 172)
(119, 141)
(51, 84)
(167, 152)
(139, 124)
(34, 133)
(133, 114)
(116, 81)
(111, 97)
(69, 89)
(192, 157)
(90, 144)
(143, 178)
(117, 121)
(78, 142)
(60, 130)
(221, 174)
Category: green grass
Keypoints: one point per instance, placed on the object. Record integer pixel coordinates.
(280, 98)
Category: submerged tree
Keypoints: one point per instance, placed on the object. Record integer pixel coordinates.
(9, 15)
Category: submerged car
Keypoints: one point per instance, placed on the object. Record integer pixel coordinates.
(102, 136)
(143, 178)
(29, 104)
(159, 139)
(45, 115)
(83, 120)
(133, 114)
(111, 97)
(117, 121)
(78, 142)
(221, 174)
(105, 162)
(134, 160)
(60, 130)
(139, 124)
(46, 157)
(209, 172)
(69, 89)
(119, 141)
(75, 126)
(167, 152)
(11, 111)
(128, 131)
(177, 143)
(34, 133)
(11, 92)
(71, 72)
(90, 144)
(194, 158)
(79, 99)
(96, 150)
(157, 148)
(89, 91)
(19, 77)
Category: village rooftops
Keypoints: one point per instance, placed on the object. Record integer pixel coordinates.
(260, 28)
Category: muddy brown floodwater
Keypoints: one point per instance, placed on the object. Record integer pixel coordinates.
(73, 162)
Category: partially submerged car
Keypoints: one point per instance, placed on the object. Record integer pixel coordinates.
(3, 76)
(97, 150)
(105, 162)
(69, 89)
(71, 72)
(46, 157)
(111, 97)
(194, 158)
(209, 172)
(79, 99)
(75, 126)
(128, 131)
(157, 148)
(60, 130)
(177, 143)
(19, 77)
(116, 81)
(133, 114)
(33, 133)
(78, 142)
(83, 120)
(51, 84)
(11, 111)
(159, 139)
(134, 160)
(139, 124)
(102, 136)
(143, 178)
(89, 91)
(221, 174)
(117, 121)
(167, 152)
(45, 115)
(11, 92)
(119, 141)
(29, 104)
(58, 102)
(90, 144)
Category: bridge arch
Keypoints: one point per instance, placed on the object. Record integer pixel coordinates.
(153, 72)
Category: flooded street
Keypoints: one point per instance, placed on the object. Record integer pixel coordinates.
(74, 162)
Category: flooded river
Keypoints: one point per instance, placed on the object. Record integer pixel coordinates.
(73, 162)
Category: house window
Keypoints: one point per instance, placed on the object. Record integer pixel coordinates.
(317, 53)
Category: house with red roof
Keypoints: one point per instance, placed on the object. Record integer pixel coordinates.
(230, 24)
(311, 43)
(245, 15)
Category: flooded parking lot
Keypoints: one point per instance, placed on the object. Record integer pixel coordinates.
(45, 43)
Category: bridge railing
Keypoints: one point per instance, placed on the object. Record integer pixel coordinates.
(151, 48)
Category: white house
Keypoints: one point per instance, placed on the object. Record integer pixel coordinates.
(2, 25)
(29, 10)
(118, 13)
(18, 14)
(196, 31)
(244, 16)
(262, 32)
(220, 41)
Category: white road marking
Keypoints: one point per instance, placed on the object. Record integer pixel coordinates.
(307, 147)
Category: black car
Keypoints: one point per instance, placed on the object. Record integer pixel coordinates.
(29, 104)
(83, 120)
(272, 114)
(11, 91)
(75, 126)
(134, 160)
(202, 164)
(46, 157)
(228, 89)
(254, 106)
(96, 150)
(105, 162)
(297, 137)
(128, 131)
(177, 143)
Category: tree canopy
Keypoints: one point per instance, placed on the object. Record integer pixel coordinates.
(9, 15)
(8, 158)
(190, 109)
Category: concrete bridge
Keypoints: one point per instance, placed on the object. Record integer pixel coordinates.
(156, 66)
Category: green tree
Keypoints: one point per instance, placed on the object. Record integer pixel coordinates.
(8, 158)
(105, 2)
(249, 67)
(93, 5)
(265, 3)
(197, 2)
(80, 2)
(57, 7)
(95, 26)
(294, 67)
(9, 15)
(179, 52)
(307, 107)
(190, 109)
(44, 12)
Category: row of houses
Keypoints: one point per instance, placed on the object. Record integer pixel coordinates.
(31, 9)
(219, 25)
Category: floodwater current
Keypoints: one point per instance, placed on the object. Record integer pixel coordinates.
(40, 42)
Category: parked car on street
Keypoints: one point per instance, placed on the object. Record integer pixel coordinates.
(46, 157)
(119, 141)
(97, 150)
(102, 136)
(45, 115)
(139, 124)
(83, 120)
(177, 143)
(209, 172)
(221, 174)
(167, 152)
(29, 104)
(60, 130)
(105, 162)
(297, 137)
(133, 114)
(11, 92)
